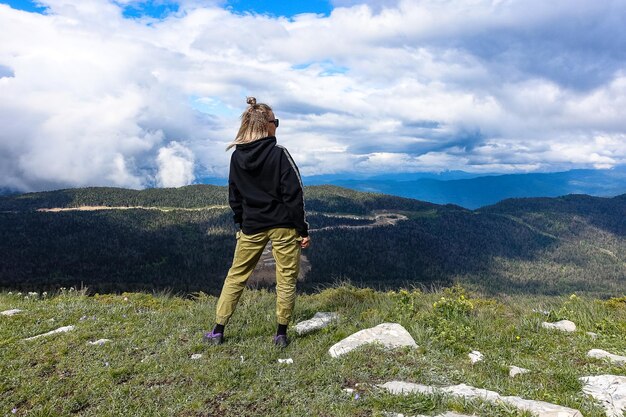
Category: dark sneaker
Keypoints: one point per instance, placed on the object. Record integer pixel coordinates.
(281, 340)
(213, 338)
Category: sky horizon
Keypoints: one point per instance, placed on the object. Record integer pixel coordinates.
(140, 94)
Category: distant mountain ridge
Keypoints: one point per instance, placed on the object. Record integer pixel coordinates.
(480, 190)
(466, 189)
(474, 190)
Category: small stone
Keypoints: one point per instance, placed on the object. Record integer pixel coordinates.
(196, 356)
(603, 354)
(319, 321)
(475, 356)
(563, 325)
(349, 390)
(288, 360)
(514, 370)
(390, 335)
(99, 342)
(59, 330)
(592, 334)
(11, 312)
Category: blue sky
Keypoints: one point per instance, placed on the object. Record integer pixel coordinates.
(161, 8)
(281, 8)
(135, 94)
(27, 5)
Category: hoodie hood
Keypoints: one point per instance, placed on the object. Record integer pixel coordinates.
(250, 156)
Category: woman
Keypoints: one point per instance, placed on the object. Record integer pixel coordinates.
(267, 196)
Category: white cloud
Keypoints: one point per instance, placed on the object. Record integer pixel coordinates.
(175, 166)
(89, 97)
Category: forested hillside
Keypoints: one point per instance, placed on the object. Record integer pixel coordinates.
(183, 239)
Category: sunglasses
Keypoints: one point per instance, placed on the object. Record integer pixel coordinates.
(275, 121)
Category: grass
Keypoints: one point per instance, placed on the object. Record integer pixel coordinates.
(147, 370)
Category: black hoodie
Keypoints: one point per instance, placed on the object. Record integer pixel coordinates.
(265, 189)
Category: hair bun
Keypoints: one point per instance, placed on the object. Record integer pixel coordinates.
(251, 101)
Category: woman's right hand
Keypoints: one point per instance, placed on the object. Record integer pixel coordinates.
(305, 242)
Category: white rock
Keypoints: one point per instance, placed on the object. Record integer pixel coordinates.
(10, 312)
(446, 414)
(603, 354)
(390, 335)
(349, 390)
(592, 334)
(99, 342)
(475, 356)
(468, 391)
(514, 370)
(610, 390)
(401, 387)
(563, 325)
(196, 356)
(539, 408)
(288, 360)
(59, 330)
(319, 320)
(451, 414)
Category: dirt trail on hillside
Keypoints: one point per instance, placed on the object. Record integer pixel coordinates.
(383, 218)
(265, 271)
(91, 208)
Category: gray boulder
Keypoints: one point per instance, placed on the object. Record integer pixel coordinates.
(563, 325)
(390, 335)
(610, 390)
(538, 408)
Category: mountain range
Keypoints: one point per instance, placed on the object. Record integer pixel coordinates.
(116, 239)
(473, 190)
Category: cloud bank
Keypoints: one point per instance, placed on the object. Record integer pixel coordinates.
(91, 97)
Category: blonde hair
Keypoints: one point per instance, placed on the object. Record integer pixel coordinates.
(254, 121)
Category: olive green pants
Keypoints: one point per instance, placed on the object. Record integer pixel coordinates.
(286, 251)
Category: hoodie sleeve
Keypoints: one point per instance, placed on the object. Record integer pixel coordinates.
(292, 192)
(234, 196)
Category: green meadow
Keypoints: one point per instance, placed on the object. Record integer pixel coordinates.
(147, 368)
